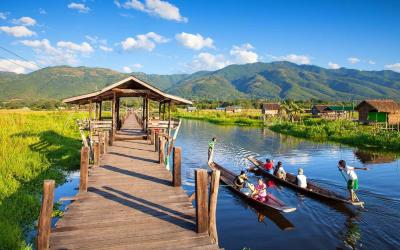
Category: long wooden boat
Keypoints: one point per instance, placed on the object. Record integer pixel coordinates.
(228, 178)
(313, 190)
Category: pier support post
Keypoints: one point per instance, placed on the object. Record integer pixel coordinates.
(106, 141)
(110, 137)
(201, 180)
(161, 151)
(96, 151)
(101, 143)
(156, 141)
(84, 169)
(43, 236)
(152, 136)
(212, 224)
(176, 177)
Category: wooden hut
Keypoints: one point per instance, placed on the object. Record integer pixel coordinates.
(379, 111)
(318, 110)
(270, 109)
(233, 109)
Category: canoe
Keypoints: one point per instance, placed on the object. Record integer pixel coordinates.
(312, 190)
(228, 178)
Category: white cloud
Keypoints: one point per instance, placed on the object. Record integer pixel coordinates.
(244, 54)
(353, 60)
(371, 62)
(17, 31)
(138, 65)
(42, 11)
(298, 59)
(17, 66)
(194, 41)
(83, 48)
(145, 41)
(333, 65)
(96, 40)
(207, 61)
(158, 8)
(394, 67)
(3, 15)
(105, 48)
(26, 21)
(63, 53)
(127, 69)
(82, 8)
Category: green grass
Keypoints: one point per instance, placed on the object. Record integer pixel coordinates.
(246, 118)
(346, 132)
(34, 146)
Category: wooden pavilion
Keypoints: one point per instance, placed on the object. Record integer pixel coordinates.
(385, 111)
(130, 87)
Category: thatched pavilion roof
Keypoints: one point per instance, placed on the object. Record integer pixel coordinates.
(382, 105)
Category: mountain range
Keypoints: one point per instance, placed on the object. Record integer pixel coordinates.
(275, 80)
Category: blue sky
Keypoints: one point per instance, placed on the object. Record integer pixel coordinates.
(182, 36)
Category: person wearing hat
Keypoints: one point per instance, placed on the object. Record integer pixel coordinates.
(301, 178)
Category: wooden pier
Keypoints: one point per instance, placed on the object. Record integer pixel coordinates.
(130, 203)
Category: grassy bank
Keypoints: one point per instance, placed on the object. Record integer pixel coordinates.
(341, 131)
(246, 118)
(34, 145)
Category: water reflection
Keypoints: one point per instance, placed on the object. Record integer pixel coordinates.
(316, 225)
(368, 157)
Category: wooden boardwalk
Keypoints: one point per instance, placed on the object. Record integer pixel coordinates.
(130, 204)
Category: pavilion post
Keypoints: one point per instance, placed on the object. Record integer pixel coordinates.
(96, 110)
(90, 109)
(117, 113)
(169, 118)
(114, 118)
(159, 111)
(100, 107)
(147, 113)
(143, 112)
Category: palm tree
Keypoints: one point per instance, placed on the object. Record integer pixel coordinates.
(291, 109)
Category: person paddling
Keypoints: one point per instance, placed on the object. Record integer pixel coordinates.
(352, 181)
(240, 179)
(269, 166)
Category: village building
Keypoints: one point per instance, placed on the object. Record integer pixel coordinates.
(379, 111)
(332, 111)
(191, 109)
(271, 109)
(318, 110)
(233, 109)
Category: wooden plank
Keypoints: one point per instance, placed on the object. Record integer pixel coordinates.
(130, 203)
(83, 181)
(43, 237)
(212, 225)
(201, 181)
(177, 179)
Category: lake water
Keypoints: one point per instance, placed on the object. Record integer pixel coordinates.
(314, 225)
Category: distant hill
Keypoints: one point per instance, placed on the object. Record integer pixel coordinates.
(276, 80)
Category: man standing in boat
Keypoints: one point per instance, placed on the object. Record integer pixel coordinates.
(211, 145)
(352, 180)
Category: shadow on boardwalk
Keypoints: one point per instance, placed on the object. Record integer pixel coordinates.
(134, 157)
(137, 175)
(169, 215)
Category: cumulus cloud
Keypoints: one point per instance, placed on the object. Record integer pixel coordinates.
(194, 41)
(394, 67)
(333, 65)
(17, 31)
(244, 53)
(26, 21)
(127, 69)
(3, 15)
(353, 60)
(371, 62)
(105, 48)
(64, 53)
(208, 61)
(144, 41)
(83, 48)
(298, 59)
(158, 8)
(82, 8)
(17, 66)
(96, 40)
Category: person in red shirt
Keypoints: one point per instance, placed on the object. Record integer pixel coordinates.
(269, 166)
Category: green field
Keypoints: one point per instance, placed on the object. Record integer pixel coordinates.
(34, 146)
(342, 131)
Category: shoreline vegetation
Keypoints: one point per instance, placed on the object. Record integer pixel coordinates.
(34, 146)
(317, 129)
